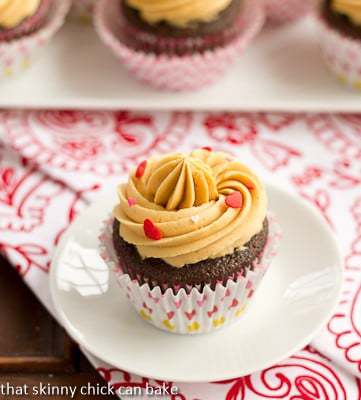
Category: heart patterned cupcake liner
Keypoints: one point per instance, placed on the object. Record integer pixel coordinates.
(17, 55)
(341, 53)
(193, 310)
(172, 72)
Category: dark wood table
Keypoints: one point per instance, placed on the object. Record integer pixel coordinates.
(33, 347)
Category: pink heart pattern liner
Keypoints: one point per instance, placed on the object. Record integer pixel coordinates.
(192, 311)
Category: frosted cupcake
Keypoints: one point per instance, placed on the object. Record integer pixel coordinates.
(25, 27)
(191, 240)
(179, 27)
(340, 39)
(21, 17)
(177, 44)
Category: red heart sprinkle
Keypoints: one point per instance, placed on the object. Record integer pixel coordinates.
(151, 231)
(207, 148)
(234, 200)
(249, 186)
(131, 202)
(140, 169)
(233, 304)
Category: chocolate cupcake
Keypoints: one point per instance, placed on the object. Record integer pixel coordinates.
(180, 27)
(21, 18)
(178, 44)
(340, 39)
(26, 26)
(191, 239)
(344, 16)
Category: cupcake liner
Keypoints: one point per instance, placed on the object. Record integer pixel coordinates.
(172, 72)
(341, 53)
(82, 9)
(284, 11)
(16, 55)
(192, 310)
(29, 25)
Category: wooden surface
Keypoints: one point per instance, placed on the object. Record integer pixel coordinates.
(34, 349)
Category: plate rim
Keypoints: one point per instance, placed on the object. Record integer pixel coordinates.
(300, 345)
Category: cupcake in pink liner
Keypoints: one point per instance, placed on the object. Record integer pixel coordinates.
(285, 11)
(178, 46)
(19, 44)
(339, 23)
(190, 240)
(21, 17)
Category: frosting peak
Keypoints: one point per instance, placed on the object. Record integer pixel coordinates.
(179, 181)
(179, 12)
(201, 205)
(350, 8)
(12, 12)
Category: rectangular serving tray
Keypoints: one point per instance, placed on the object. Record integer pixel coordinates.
(281, 71)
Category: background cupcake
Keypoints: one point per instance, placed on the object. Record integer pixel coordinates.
(179, 27)
(21, 17)
(284, 11)
(340, 39)
(26, 27)
(178, 45)
(191, 231)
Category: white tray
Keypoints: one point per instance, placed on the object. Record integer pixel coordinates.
(281, 71)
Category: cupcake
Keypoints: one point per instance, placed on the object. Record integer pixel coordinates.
(21, 17)
(184, 28)
(340, 39)
(190, 240)
(25, 27)
(285, 11)
(177, 44)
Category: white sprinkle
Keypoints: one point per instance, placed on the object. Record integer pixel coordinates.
(195, 218)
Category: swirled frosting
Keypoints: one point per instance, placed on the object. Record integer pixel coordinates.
(350, 8)
(179, 12)
(12, 12)
(184, 196)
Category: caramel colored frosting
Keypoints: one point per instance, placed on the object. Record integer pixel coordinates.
(13, 12)
(179, 12)
(350, 8)
(184, 195)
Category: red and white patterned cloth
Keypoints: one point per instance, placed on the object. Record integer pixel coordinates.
(53, 163)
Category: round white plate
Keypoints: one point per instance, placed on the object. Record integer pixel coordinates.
(296, 298)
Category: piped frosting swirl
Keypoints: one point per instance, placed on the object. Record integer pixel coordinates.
(13, 12)
(178, 181)
(350, 8)
(184, 195)
(179, 12)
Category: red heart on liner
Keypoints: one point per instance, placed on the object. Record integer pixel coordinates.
(190, 315)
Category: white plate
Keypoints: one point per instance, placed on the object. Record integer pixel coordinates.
(282, 70)
(296, 298)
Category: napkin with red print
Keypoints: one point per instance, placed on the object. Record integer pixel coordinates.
(53, 163)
